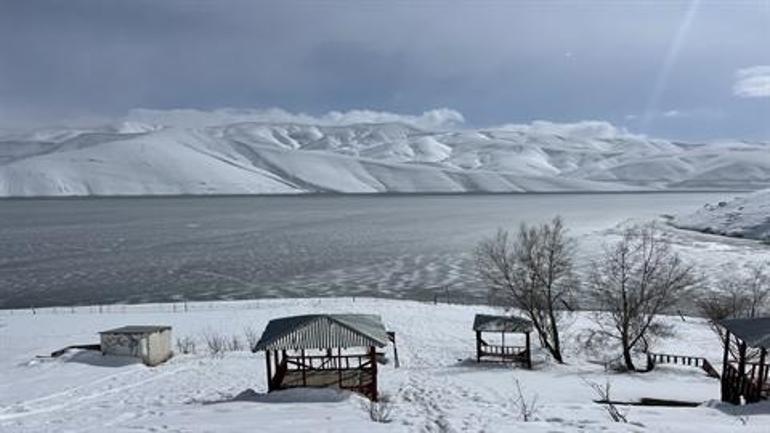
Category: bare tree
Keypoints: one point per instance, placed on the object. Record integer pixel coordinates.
(738, 294)
(605, 398)
(527, 408)
(632, 283)
(185, 345)
(534, 273)
(252, 336)
(216, 342)
(380, 411)
(757, 284)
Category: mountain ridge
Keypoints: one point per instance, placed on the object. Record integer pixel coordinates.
(247, 157)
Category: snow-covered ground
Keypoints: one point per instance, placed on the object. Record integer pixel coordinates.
(437, 388)
(746, 216)
(221, 157)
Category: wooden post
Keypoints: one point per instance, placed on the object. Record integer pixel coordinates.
(373, 358)
(304, 368)
(725, 363)
(742, 382)
(392, 338)
(529, 351)
(339, 366)
(269, 371)
(503, 355)
(478, 346)
(742, 358)
(762, 372)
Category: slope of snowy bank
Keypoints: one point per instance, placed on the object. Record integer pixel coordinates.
(284, 158)
(437, 388)
(746, 217)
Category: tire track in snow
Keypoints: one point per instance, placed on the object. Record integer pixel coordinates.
(22, 411)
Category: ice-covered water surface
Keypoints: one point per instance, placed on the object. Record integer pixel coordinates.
(87, 251)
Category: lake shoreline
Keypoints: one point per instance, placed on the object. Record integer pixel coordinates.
(328, 194)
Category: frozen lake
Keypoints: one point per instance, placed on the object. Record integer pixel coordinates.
(92, 251)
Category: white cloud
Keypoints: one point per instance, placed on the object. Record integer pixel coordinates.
(433, 119)
(673, 113)
(752, 82)
(582, 129)
(677, 114)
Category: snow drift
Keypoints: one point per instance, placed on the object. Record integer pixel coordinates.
(225, 155)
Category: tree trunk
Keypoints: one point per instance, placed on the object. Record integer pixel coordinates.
(555, 336)
(627, 359)
(556, 347)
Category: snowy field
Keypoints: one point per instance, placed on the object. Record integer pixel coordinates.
(91, 251)
(437, 388)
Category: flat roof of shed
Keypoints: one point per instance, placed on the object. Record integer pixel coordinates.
(137, 329)
(490, 323)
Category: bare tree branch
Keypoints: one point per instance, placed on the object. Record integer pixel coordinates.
(535, 273)
(633, 282)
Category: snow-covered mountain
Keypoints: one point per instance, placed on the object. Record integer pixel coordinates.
(746, 217)
(135, 158)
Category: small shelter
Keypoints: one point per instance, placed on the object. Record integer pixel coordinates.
(151, 344)
(484, 323)
(324, 350)
(744, 364)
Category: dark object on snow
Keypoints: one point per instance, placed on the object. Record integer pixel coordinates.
(742, 378)
(502, 352)
(307, 351)
(651, 402)
(64, 350)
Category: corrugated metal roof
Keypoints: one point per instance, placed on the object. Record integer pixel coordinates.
(137, 329)
(755, 332)
(489, 323)
(321, 331)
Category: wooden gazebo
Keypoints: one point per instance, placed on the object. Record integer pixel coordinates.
(323, 350)
(503, 352)
(744, 364)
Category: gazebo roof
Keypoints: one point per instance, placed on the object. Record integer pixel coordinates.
(755, 332)
(323, 331)
(489, 323)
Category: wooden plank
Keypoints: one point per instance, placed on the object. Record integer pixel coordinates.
(269, 371)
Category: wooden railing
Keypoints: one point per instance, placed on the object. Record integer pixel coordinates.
(685, 360)
(503, 351)
(338, 367)
(735, 385)
(333, 362)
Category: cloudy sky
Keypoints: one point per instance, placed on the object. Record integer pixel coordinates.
(679, 69)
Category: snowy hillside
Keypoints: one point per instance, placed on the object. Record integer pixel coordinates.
(134, 158)
(747, 217)
(438, 388)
